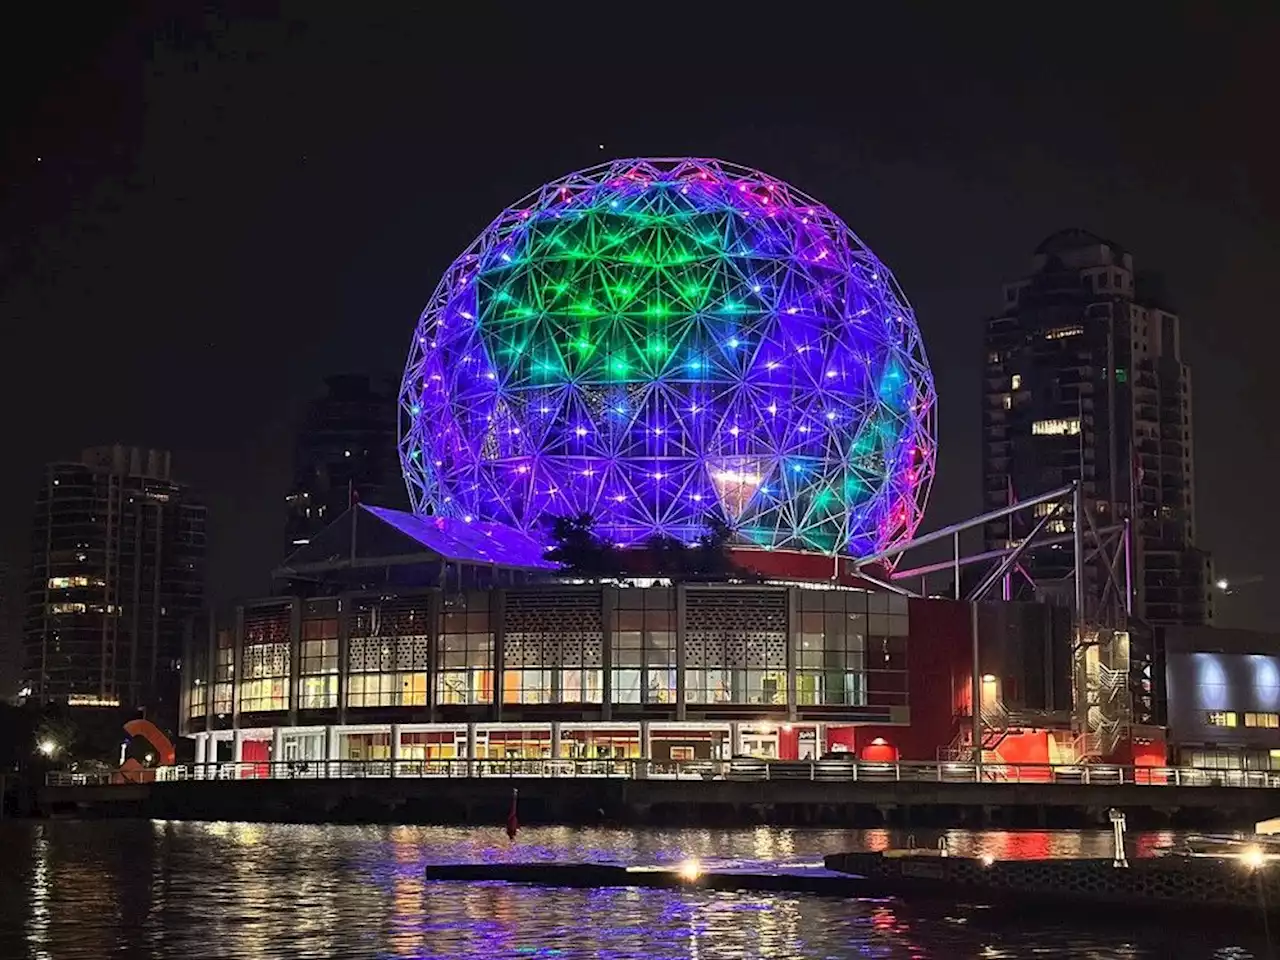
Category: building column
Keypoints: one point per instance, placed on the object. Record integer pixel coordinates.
(237, 745)
(185, 676)
(819, 740)
(434, 618)
(681, 606)
(555, 739)
(735, 739)
(608, 596)
(344, 664)
(295, 659)
(211, 672)
(793, 642)
(277, 752)
(210, 757)
(237, 668)
(646, 739)
(497, 616)
(331, 751)
(471, 749)
(395, 747)
(202, 746)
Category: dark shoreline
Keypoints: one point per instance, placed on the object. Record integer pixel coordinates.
(597, 802)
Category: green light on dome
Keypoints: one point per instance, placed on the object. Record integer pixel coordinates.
(656, 331)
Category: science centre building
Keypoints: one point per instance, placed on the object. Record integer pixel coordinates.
(658, 350)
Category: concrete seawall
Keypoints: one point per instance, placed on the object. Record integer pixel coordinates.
(587, 800)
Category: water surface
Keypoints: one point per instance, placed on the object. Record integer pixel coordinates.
(72, 890)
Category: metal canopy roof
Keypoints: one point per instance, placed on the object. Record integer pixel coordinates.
(368, 536)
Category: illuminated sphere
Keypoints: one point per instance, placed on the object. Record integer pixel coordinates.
(653, 342)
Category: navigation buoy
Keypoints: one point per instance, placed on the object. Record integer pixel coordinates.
(513, 822)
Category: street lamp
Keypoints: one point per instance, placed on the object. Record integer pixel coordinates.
(48, 746)
(1223, 584)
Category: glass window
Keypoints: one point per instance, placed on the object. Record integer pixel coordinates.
(1221, 718)
(199, 700)
(831, 657)
(1270, 721)
(266, 659)
(223, 673)
(1056, 428)
(387, 651)
(528, 686)
(736, 646)
(709, 686)
(464, 657)
(318, 693)
(644, 646)
(319, 664)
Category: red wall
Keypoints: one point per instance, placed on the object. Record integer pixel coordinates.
(788, 743)
(938, 652)
(880, 752)
(257, 752)
(794, 565)
(1026, 746)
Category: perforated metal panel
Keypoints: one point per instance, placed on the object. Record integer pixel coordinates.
(389, 634)
(744, 629)
(553, 629)
(266, 650)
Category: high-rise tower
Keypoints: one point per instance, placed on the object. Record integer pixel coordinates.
(346, 449)
(118, 553)
(1085, 380)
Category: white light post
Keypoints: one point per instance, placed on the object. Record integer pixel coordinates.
(1117, 830)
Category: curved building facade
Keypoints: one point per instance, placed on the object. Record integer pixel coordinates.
(629, 670)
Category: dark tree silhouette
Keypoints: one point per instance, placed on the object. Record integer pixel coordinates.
(578, 547)
(669, 555)
(710, 558)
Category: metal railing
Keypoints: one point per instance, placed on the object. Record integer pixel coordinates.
(742, 769)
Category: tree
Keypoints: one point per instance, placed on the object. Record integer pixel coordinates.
(669, 555)
(710, 559)
(579, 549)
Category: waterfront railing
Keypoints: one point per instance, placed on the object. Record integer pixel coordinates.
(742, 769)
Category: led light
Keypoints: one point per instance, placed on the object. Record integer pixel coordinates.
(630, 318)
(690, 871)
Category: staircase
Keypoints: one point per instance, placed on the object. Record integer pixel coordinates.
(1103, 698)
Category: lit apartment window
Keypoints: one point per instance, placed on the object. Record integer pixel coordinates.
(1061, 333)
(1006, 401)
(1056, 428)
(1221, 718)
(66, 583)
(1056, 526)
(1016, 382)
(57, 609)
(1269, 720)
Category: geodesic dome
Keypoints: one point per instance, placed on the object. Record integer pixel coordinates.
(652, 341)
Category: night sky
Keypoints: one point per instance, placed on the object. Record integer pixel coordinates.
(202, 216)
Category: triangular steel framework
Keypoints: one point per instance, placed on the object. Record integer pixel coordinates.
(1101, 619)
(617, 341)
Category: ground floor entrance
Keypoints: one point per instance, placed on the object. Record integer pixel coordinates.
(667, 743)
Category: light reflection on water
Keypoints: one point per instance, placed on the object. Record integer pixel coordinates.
(73, 890)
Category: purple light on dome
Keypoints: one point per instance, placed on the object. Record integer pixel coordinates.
(657, 341)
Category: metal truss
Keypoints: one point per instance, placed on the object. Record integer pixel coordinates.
(659, 342)
(1105, 549)
(1102, 605)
